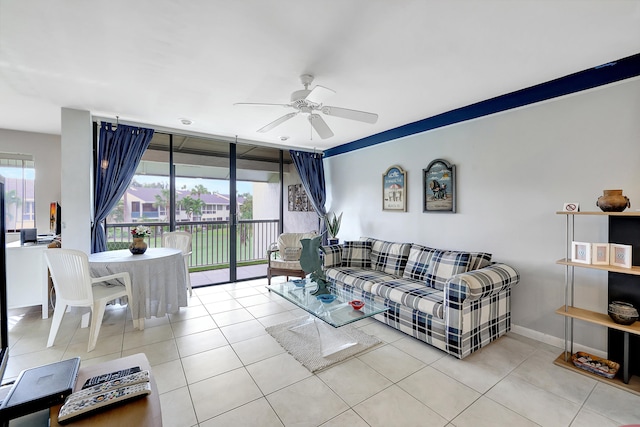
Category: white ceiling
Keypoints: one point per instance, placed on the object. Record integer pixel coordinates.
(154, 62)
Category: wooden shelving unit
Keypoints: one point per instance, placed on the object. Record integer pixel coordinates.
(570, 312)
(597, 318)
(634, 270)
(633, 386)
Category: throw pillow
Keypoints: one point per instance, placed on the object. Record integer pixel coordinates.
(418, 262)
(331, 256)
(389, 257)
(479, 260)
(444, 265)
(356, 254)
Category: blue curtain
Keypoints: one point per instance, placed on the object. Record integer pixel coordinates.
(119, 154)
(311, 171)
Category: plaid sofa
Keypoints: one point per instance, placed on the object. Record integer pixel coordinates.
(456, 301)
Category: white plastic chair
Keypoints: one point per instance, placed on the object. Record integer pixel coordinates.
(180, 240)
(75, 287)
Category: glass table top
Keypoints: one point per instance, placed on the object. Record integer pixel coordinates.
(336, 313)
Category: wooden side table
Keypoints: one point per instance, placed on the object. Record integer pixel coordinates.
(141, 412)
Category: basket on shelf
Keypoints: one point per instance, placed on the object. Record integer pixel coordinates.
(595, 364)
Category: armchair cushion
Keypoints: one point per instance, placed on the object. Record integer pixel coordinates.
(291, 254)
(356, 254)
(289, 245)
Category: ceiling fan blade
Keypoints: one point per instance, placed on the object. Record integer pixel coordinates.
(260, 104)
(320, 126)
(319, 94)
(345, 113)
(277, 122)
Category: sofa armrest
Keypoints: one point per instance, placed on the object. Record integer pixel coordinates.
(331, 256)
(480, 283)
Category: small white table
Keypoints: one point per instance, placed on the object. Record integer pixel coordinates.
(158, 279)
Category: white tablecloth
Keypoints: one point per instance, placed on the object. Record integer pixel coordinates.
(158, 278)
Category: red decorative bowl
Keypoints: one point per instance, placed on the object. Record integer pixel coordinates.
(356, 304)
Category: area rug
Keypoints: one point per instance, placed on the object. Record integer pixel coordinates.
(302, 339)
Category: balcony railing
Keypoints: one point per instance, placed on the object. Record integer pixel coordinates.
(210, 240)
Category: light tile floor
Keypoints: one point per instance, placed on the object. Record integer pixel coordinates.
(216, 366)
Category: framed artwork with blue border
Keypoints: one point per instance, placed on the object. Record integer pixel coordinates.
(394, 190)
(439, 187)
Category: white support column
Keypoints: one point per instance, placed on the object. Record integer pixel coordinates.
(77, 179)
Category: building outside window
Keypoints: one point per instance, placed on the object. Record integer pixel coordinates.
(19, 172)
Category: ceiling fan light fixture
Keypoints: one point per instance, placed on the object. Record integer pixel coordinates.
(309, 102)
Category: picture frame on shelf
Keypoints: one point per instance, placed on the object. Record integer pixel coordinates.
(581, 252)
(620, 255)
(600, 253)
(439, 187)
(394, 189)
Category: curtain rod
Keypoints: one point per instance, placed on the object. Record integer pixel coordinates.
(182, 132)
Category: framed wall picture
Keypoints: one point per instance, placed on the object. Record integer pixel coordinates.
(600, 254)
(394, 189)
(581, 252)
(298, 201)
(620, 255)
(439, 187)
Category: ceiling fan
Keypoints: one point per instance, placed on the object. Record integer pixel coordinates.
(311, 101)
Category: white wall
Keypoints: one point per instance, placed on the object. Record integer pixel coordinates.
(45, 149)
(514, 171)
(77, 179)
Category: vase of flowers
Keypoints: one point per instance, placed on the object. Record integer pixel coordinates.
(139, 246)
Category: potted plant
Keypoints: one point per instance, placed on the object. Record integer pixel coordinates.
(332, 222)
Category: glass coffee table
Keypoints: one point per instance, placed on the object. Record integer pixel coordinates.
(333, 314)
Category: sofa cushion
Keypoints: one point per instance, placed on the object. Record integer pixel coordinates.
(357, 277)
(356, 254)
(389, 257)
(444, 265)
(331, 256)
(417, 262)
(412, 293)
(479, 260)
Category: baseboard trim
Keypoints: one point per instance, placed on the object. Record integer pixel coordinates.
(555, 341)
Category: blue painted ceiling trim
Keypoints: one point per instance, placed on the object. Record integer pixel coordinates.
(597, 76)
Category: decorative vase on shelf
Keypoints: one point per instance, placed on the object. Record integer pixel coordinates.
(613, 201)
(138, 246)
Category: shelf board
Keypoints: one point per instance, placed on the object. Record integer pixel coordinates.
(634, 270)
(628, 213)
(634, 382)
(598, 318)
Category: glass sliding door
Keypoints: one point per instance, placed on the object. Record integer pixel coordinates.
(226, 195)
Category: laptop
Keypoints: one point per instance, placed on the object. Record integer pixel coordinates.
(40, 388)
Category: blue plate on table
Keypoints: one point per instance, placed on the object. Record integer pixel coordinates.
(326, 298)
(300, 282)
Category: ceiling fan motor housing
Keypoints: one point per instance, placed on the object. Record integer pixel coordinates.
(300, 95)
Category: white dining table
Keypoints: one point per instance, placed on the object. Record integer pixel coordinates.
(158, 279)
